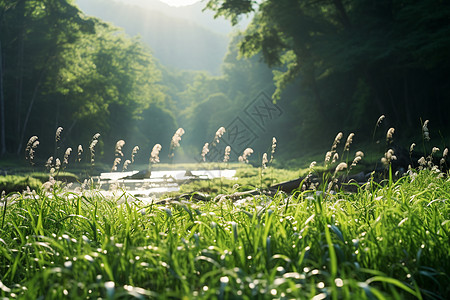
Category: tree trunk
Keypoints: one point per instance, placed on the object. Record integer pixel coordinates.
(30, 107)
(2, 107)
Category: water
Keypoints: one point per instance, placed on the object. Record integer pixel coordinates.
(160, 182)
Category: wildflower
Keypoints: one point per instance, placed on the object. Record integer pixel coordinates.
(126, 164)
(388, 157)
(434, 150)
(177, 138)
(154, 156)
(341, 167)
(337, 140)
(219, 134)
(247, 152)
(119, 146)
(422, 162)
(445, 153)
(411, 148)
(360, 154)
(356, 160)
(335, 158)
(30, 149)
(58, 134)
(134, 152)
(80, 152)
(264, 161)
(312, 165)
(426, 133)
(57, 164)
(205, 151)
(390, 134)
(66, 156)
(274, 146)
(349, 141)
(328, 156)
(92, 146)
(49, 162)
(116, 163)
(380, 119)
(226, 157)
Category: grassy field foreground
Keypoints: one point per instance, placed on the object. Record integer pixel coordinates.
(384, 242)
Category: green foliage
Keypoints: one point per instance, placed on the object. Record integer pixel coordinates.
(73, 71)
(355, 60)
(16, 183)
(383, 242)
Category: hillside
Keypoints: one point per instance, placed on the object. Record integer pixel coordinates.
(177, 42)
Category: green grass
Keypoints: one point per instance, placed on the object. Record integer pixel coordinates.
(384, 242)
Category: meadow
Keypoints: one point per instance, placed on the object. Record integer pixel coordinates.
(387, 238)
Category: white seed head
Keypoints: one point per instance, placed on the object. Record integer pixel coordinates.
(154, 156)
(380, 119)
(341, 167)
(434, 150)
(205, 151)
(119, 146)
(349, 141)
(226, 157)
(390, 134)
(58, 134)
(219, 134)
(264, 161)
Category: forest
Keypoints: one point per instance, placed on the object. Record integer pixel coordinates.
(148, 167)
(325, 66)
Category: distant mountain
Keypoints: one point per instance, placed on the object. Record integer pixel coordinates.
(173, 33)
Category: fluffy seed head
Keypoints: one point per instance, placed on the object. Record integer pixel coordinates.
(134, 152)
(154, 156)
(49, 162)
(58, 134)
(205, 151)
(66, 156)
(219, 134)
(226, 157)
(274, 146)
(426, 133)
(264, 161)
(337, 140)
(177, 138)
(349, 141)
(116, 164)
(422, 161)
(328, 156)
(380, 119)
(390, 135)
(244, 157)
(341, 167)
(335, 158)
(126, 164)
(80, 152)
(434, 150)
(119, 146)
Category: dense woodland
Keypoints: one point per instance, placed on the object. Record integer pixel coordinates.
(331, 65)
